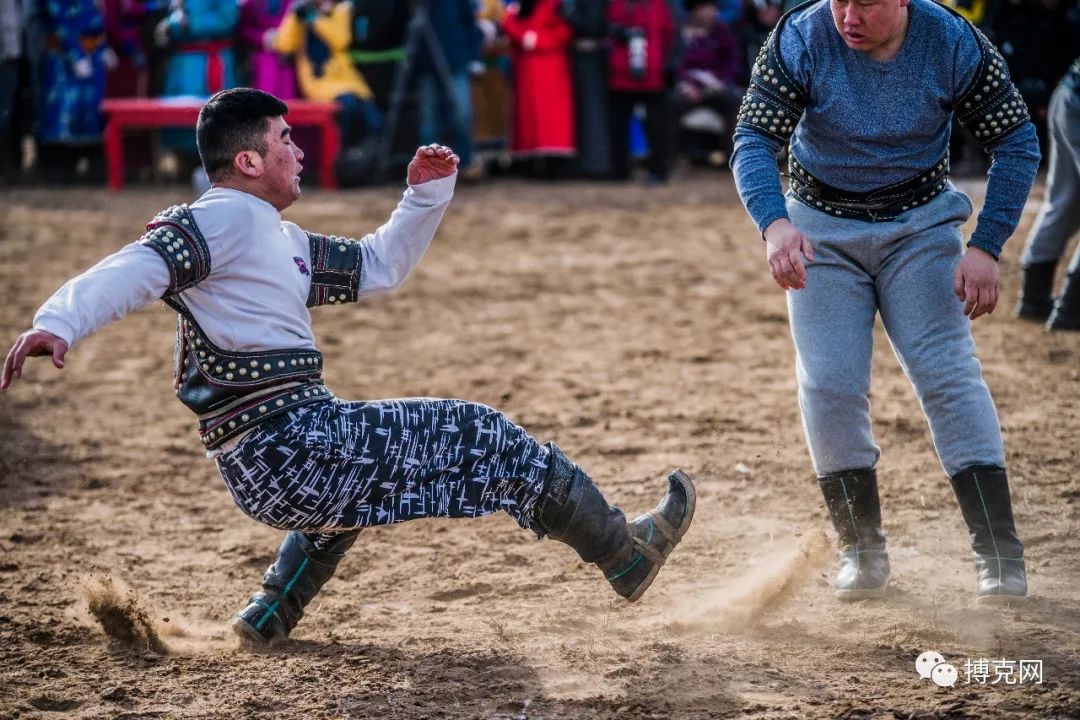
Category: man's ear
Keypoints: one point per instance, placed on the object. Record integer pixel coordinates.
(248, 163)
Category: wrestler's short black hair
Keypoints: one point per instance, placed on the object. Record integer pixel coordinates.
(233, 121)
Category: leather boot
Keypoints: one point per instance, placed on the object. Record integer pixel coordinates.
(296, 576)
(1036, 291)
(1066, 313)
(852, 500)
(630, 554)
(983, 494)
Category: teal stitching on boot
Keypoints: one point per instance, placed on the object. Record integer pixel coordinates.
(273, 608)
(260, 603)
(625, 570)
(270, 610)
(631, 566)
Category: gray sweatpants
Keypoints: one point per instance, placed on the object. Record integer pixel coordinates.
(904, 270)
(1059, 218)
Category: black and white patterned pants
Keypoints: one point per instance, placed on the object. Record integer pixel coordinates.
(339, 465)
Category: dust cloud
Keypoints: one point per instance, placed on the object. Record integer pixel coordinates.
(745, 600)
(121, 613)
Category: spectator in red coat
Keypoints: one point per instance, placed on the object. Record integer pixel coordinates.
(543, 123)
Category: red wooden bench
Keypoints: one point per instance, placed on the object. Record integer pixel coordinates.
(124, 113)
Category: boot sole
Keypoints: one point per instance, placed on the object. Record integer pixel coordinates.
(1000, 600)
(864, 593)
(691, 504)
(855, 595)
(249, 636)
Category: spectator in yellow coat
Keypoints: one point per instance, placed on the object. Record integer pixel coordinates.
(317, 33)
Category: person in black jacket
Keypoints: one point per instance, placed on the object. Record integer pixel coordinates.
(587, 17)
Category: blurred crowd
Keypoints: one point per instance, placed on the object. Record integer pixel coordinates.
(550, 88)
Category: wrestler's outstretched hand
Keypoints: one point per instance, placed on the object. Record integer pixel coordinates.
(976, 282)
(32, 342)
(785, 248)
(432, 162)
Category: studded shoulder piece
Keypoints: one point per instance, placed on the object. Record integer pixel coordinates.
(991, 108)
(175, 236)
(774, 102)
(335, 270)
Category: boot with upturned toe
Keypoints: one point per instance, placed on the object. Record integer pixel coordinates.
(983, 495)
(1036, 291)
(855, 509)
(630, 554)
(298, 573)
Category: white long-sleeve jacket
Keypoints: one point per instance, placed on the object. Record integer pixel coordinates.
(255, 295)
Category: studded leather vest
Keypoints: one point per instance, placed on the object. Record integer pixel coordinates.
(233, 392)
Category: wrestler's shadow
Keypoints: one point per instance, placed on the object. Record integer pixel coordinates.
(31, 466)
(500, 682)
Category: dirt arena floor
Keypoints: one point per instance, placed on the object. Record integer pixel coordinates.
(637, 327)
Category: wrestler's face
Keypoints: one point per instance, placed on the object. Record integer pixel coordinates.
(869, 25)
(280, 180)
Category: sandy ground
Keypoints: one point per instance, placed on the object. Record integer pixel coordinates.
(638, 328)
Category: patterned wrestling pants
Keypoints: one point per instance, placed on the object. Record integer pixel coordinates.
(339, 465)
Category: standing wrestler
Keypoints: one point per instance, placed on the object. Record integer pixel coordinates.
(1059, 218)
(865, 91)
(291, 454)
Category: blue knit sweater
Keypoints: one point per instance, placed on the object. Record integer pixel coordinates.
(869, 124)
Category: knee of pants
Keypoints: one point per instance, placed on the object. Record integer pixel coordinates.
(467, 411)
(937, 383)
(832, 389)
(480, 411)
(492, 429)
(841, 412)
(275, 514)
